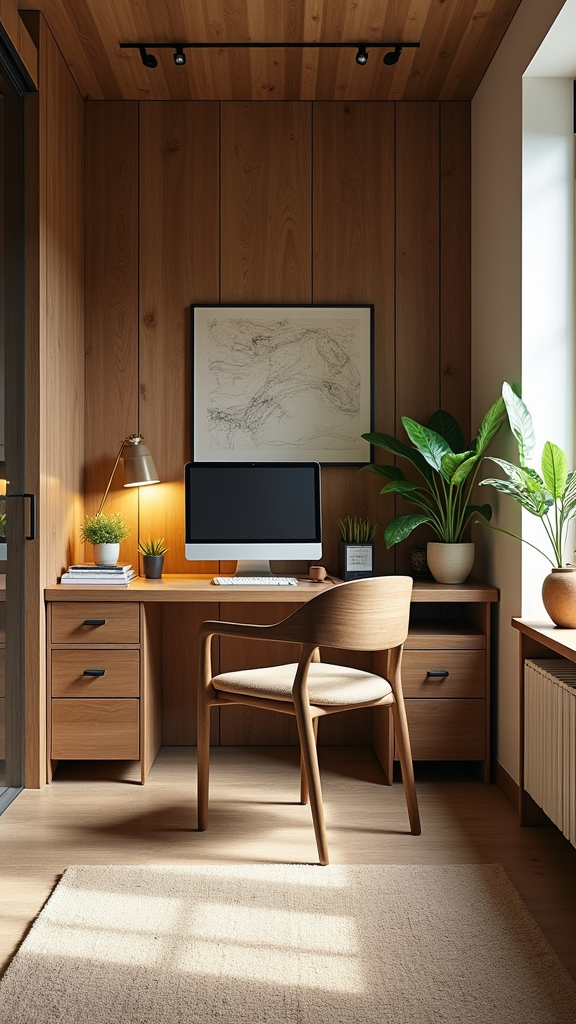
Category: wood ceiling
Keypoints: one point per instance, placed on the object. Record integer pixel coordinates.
(458, 39)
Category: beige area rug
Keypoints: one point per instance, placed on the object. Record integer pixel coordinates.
(286, 944)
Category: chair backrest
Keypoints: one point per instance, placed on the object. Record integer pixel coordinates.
(363, 615)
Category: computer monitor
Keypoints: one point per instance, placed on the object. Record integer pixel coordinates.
(253, 512)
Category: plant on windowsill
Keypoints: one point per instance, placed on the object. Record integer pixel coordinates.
(105, 531)
(153, 552)
(448, 469)
(356, 547)
(551, 497)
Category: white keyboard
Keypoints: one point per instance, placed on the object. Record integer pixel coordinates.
(258, 581)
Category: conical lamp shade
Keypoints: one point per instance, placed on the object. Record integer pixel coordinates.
(139, 468)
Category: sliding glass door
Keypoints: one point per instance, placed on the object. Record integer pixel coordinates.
(16, 510)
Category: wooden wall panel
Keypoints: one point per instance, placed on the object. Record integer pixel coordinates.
(266, 202)
(54, 386)
(288, 203)
(417, 279)
(179, 265)
(455, 227)
(112, 390)
(354, 256)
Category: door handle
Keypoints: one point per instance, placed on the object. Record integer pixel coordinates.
(31, 535)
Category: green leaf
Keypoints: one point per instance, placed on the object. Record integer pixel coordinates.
(406, 488)
(463, 471)
(391, 472)
(402, 527)
(520, 421)
(535, 503)
(483, 510)
(451, 462)
(443, 423)
(554, 469)
(391, 444)
(428, 443)
(490, 425)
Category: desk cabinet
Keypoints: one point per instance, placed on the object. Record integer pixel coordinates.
(104, 681)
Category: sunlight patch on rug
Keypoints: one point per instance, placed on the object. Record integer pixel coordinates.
(286, 944)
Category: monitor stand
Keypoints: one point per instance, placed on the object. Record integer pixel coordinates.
(253, 567)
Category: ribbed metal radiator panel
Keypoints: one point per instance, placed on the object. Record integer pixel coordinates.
(550, 739)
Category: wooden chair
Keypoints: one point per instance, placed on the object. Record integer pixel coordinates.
(363, 615)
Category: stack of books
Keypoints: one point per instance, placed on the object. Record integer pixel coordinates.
(103, 575)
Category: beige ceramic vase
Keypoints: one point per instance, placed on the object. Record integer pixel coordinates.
(559, 596)
(450, 563)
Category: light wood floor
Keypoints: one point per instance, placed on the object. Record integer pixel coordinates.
(98, 813)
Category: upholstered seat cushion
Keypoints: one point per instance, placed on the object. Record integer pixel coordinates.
(327, 684)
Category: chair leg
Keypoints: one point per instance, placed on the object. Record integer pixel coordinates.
(310, 757)
(405, 754)
(304, 790)
(203, 761)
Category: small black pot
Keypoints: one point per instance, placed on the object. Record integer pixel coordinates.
(153, 565)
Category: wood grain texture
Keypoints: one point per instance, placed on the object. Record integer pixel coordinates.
(446, 730)
(54, 385)
(455, 228)
(178, 266)
(120, 673)
(458, 41)
(180, 672)
(95, 728)
(265, 202)
(111, 213)
(417, 279)
(354, 254)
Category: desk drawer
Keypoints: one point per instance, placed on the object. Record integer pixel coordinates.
(95, 673)
(95, 729)
(93, 622)
(466, 673)
(447, 730)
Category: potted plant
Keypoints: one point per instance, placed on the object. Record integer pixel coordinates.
(448, 469)
(356, 547)
(105, 531)
(153, 552)
(550, 496)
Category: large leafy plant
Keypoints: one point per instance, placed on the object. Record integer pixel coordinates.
(551, 495)
(448, 469)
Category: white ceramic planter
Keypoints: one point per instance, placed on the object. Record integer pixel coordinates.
(106, 554)
(450, 563)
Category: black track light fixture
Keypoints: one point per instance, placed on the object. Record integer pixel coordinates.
(392, 58)
(148, 59)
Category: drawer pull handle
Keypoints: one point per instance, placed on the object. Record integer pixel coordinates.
(436, 672)
(94, 672)
(94, 622)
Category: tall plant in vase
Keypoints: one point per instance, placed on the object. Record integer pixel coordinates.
(549, 496)
(448, 469)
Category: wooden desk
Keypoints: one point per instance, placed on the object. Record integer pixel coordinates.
(116, 635)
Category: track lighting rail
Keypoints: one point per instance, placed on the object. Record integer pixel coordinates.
(362, 49)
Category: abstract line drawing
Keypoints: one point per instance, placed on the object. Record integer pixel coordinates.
(282, 383)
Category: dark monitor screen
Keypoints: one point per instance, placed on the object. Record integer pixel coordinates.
(253, 510)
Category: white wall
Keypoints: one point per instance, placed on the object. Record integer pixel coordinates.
(547, 296)
(497, 319)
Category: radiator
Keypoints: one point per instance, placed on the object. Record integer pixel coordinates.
(550, 739)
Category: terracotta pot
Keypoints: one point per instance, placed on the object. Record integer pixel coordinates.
(559, 596)
(450, 563)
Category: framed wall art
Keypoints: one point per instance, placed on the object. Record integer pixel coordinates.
(282, 383)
